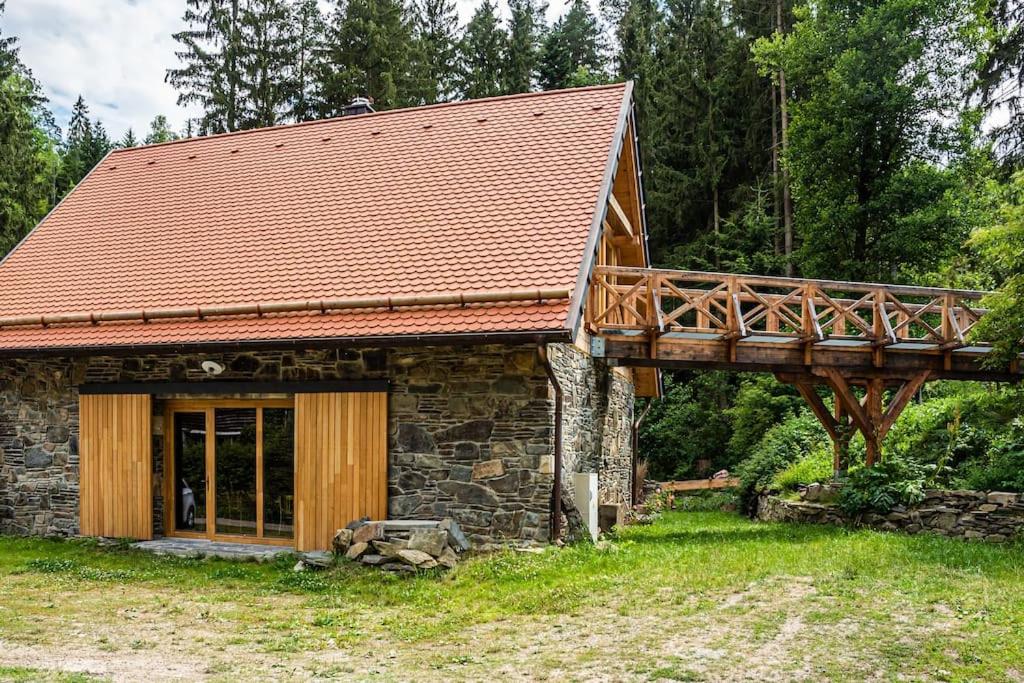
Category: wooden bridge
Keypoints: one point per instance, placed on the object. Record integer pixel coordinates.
(807, 332)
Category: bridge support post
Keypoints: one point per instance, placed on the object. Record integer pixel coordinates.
(840, 444)
(867, 415)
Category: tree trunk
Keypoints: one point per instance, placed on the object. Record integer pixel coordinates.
(718, 232)
(787, 200)
(232, 47)
(775, 170)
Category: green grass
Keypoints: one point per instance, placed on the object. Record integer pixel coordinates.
(18, 674)
(827, 603)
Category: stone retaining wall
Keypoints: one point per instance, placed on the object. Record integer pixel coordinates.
(995, 517)
(470, 429)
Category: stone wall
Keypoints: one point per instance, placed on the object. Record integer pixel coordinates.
(597, 421)
(994, 516)
(38, 449)
(470, 429)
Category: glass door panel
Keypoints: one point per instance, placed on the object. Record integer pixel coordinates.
(278, 472)
(190, 471)
(235, 470)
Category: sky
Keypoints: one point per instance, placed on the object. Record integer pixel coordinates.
(115, 54)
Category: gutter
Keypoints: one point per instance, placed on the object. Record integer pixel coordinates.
(300, 306)
(556, 489)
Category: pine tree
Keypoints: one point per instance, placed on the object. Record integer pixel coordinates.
(434, 53)
(368, 55)
(99, 145)
(160, 131)
(638, 25)
(309, 35)
(575, 50)
(9, 62)
(77, 151)
(526, 29)
(85, 146)
(266, 86)
(1001, 81)
(79, 126)
(28, 160)
(480, 52)
(692, 100)
(128, 140)
(211, 51)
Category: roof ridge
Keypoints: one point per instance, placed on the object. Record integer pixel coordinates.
(421, 107)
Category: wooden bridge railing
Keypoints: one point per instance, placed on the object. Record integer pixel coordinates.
(810, 333)
(740, 306)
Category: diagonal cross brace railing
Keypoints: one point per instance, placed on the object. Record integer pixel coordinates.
(744, 305)
(872, 346)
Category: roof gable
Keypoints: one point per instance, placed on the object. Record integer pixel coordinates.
(488, 195)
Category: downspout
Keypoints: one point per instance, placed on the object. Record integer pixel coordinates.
(556, 492)
(638, 487)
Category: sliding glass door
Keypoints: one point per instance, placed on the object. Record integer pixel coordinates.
(232, 464)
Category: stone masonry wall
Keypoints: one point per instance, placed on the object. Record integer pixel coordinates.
(597, 421)
(38, 449)
(470, 429)
(994, 516)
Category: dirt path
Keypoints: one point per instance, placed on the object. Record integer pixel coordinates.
(763, 632)
(757, 634)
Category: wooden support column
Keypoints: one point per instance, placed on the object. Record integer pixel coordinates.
(841, 444)
(868, 416)
(873, 407)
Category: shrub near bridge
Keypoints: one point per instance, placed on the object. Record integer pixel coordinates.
(880, 488)
(781, 446)
(814, 468)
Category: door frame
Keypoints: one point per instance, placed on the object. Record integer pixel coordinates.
(207, 407)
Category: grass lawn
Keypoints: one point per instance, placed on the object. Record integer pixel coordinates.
(697, 596)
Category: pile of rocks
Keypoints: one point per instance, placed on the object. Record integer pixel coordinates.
(402, 545)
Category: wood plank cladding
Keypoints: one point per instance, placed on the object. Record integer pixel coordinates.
(340, 463)
(116, 466)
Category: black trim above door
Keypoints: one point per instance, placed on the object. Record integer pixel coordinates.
(228, 387)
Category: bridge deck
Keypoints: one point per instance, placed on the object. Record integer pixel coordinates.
(808, 332)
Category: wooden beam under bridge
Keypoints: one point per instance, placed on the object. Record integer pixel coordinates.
(869, 415)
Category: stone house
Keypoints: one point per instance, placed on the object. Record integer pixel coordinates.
(263, 335)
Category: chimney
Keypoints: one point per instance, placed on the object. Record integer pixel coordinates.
(360, 105)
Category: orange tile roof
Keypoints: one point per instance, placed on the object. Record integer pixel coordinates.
(485, 195)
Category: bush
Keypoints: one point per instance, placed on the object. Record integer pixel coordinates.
(892, 482)
(781, 446)
(761, 403)
(689, 424)
(1001, 468)
(815, 467)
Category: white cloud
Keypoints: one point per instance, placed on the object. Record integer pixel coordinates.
(115, 54)
(112, 52)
